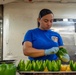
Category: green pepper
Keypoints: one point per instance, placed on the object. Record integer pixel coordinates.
(33, 65)
(73, 65)
(36, 65)
(28, 66)
(55, 66)
(46, 61)
(49, 65)
(63, 55)
(59, 64)
(2, 69)
(21, 65)
(7, 69)
(63, 50)
(42, 65)
(10, 69)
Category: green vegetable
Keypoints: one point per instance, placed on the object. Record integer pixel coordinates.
(46, 62)
(63, 55)
(28, 66)
(2, 69)
(63, 50)
(42, 65)
(73, 65)
(53, 65)
(10, 69)
(37, 65)
(49, 65)
(59, 64)
(21, 65)
(65, 58)
(24, 66)
(7, 69)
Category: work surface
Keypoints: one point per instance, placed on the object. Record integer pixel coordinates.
(48, 73)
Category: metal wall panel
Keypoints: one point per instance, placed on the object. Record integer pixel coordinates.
(1, 32)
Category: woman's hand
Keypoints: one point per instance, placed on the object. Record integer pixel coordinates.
(52, 50)
(65, 58)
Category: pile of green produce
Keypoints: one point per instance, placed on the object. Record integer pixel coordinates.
(72, 65)
(39, 65)
(7, 69)
(53, 65)
(63, 55)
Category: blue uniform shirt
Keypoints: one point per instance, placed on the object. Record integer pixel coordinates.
(43, 39)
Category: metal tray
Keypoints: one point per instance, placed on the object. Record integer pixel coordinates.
(7, 61)
(47, 73)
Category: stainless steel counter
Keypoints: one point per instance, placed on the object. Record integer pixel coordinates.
(48, 73)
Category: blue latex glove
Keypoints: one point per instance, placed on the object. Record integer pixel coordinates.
(52, 50)
(65, 58)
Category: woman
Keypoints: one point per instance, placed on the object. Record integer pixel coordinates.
(42, 43)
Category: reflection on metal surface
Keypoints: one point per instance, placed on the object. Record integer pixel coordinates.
(67, 30)
(1, 36)
(68, 39)
(64, 27)
(1, 32)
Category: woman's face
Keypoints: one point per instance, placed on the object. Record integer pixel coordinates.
(46, 22)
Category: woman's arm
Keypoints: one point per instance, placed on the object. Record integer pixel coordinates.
(28, 50)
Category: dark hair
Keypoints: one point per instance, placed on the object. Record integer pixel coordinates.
(44, 12)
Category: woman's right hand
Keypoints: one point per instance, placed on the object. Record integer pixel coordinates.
(52, 50)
